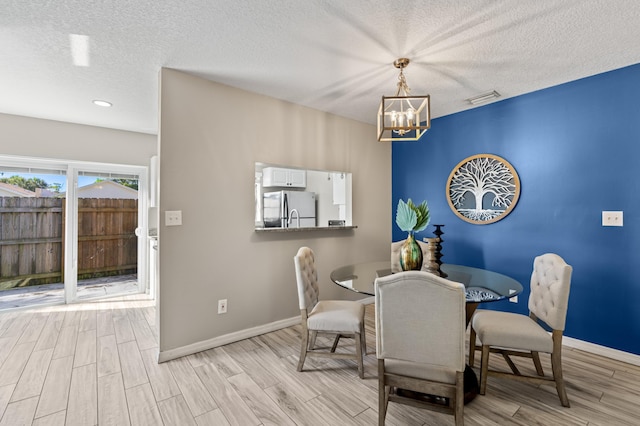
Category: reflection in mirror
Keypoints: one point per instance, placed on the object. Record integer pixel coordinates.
(290, 197)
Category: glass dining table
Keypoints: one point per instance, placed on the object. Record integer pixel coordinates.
(481, 286)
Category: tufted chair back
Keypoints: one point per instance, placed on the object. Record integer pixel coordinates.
(550, 282)
(306, 278)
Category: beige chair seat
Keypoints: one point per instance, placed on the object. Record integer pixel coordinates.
(336, 315)
(507, 330)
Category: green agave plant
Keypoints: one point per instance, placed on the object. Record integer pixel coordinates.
(411, 218)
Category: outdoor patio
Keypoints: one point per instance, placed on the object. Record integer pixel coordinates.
(54, 293)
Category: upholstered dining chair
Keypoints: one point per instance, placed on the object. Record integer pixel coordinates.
(511, 334)
(420, 331)
(395, 255)
(343, 318)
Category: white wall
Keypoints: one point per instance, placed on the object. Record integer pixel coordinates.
(211, 135)
(34, 137)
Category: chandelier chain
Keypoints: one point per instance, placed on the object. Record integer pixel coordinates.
(402, 85)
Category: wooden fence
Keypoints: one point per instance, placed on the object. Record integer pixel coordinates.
(32, 239)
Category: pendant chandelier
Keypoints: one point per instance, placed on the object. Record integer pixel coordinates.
(403, 117)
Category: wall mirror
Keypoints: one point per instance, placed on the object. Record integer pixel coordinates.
(290, 198)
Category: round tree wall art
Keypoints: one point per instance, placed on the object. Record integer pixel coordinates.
(483, 189)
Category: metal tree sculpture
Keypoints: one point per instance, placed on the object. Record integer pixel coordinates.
(483, 176)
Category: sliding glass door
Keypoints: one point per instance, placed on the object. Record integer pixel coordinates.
(78, 234)
(111, 248)
(31, 234)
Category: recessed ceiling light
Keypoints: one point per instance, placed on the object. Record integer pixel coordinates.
(485, 97)
(102, 103)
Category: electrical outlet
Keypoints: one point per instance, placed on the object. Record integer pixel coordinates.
(173, 218)
(513, 299)
(611, 218)
(222, 306)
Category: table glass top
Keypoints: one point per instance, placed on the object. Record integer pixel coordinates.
(481, 285)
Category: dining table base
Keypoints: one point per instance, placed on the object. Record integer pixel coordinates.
(471, 385)
(471, 390)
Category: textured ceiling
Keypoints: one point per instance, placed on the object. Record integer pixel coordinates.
(332, 55)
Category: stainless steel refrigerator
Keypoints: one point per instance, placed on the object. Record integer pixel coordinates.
(289, 209)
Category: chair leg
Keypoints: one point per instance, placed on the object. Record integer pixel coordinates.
(358, 338)
(303, 348)
(363, 334)
(484, 368)
(557, 376)
(312, 341)
(358, 342)
(536, 361)
(459, 407)
(472, 346)
(382, 394)
(335, 342)
(513, 367)
(556, 367)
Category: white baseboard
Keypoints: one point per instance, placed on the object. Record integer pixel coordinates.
(627, 357)
(277, 325)
(204, 345)
(226, 339)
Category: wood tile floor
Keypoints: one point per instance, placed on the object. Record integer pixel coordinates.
(94, 364)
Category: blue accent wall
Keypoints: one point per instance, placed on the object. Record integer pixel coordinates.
(576, 149)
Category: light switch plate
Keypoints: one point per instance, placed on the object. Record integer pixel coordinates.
(173, 218)
(612, 218)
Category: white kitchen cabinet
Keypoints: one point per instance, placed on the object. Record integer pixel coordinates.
(290, 178)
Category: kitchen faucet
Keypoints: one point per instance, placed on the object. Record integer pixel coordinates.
(297, 217)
